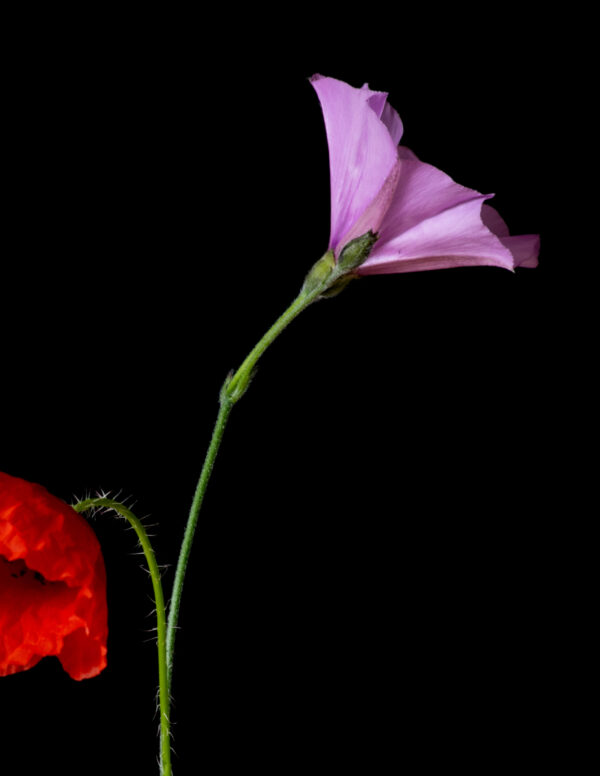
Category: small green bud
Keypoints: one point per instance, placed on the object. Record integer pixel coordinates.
(232, 389)
(319, 273)
(356, 252)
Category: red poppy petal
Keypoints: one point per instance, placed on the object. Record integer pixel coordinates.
(52, 583)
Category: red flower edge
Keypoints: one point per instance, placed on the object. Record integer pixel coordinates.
(52, 583)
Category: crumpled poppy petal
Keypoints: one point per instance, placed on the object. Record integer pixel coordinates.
(433, 223)
(52, 583)
(362, 152)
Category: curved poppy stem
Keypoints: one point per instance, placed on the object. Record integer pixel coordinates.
(161, 620)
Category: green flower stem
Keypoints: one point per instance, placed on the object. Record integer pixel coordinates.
(242, 377)
(324, 274)
(188, 537)
(161, 622)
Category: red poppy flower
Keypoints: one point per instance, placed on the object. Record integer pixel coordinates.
(52, 583)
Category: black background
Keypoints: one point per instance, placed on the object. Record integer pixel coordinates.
(376, 573)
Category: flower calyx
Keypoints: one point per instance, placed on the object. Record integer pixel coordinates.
(328, 277)
(319, 274)
(357, 251)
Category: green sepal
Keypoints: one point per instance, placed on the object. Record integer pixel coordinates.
(338, 286)
(356, 252)
(319, 273)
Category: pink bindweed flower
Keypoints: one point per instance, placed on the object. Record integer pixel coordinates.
(423, 219)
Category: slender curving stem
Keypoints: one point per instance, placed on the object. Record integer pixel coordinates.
(161, 620)
(233, 389)
(325, 278)
(186, 546)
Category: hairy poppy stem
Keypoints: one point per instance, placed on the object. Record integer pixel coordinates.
(161, 621)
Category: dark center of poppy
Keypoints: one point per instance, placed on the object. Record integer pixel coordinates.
(18, 569)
